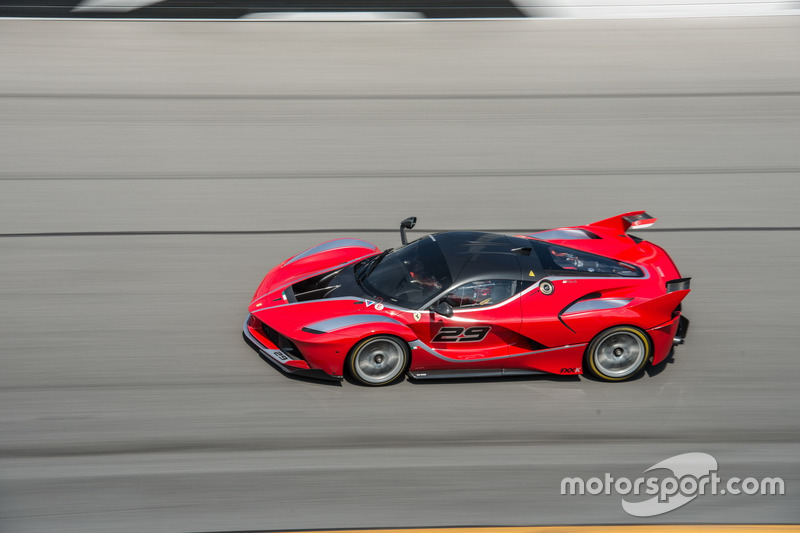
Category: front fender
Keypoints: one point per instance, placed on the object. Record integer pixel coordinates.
(326, 344)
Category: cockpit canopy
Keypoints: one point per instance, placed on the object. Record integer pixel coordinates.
(419, 272)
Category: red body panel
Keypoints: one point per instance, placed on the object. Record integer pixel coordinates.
(331, 254)
(492, 351)
(531, 331)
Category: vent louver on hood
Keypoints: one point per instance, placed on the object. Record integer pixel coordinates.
(316, 287)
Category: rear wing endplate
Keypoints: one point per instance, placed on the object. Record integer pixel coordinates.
(622, 223)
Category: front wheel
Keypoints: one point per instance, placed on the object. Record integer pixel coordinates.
(378, 360)
(618, 353)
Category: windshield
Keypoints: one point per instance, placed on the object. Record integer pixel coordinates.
(409, 276)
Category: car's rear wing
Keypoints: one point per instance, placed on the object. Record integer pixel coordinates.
(622, 223)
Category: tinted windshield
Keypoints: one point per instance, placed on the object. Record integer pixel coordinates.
(410, 276)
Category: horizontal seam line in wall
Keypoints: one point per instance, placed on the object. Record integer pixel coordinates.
(356, 231)
(409, 175)
(467, 96)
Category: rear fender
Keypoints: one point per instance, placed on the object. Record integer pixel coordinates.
(659, 310)
(645, 315)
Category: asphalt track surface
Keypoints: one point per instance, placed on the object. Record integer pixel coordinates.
(151, 173)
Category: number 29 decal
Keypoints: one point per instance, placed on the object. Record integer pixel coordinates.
(453, 334)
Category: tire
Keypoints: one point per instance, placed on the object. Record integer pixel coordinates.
(379, 360)
(618, 354)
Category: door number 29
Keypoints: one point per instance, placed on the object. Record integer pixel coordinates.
(452, 334)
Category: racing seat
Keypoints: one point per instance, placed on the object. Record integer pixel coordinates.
(501, 292)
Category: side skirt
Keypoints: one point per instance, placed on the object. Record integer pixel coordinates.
(471, 373)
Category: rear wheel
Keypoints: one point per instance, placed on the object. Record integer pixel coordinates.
(618, 353)
(379, 360)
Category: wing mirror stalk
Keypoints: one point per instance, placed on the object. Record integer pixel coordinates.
(408, 223)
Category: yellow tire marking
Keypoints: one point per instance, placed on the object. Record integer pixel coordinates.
(736, 528)
(636, 332)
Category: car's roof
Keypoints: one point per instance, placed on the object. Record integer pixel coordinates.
(475, 255)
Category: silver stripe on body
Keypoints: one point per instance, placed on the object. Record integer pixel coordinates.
(341, 322)
(552, 279)
(561, 235)
(422, 345)
(598, 304)
(353, 299)
(332, 245)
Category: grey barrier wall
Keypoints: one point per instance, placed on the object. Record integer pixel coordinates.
(235, 9)
(390, 9)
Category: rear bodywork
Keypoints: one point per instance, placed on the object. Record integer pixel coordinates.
(547, 295)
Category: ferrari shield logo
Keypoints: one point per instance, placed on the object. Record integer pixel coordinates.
(417, 316)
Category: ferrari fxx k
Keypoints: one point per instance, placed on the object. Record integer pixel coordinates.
(576, 300)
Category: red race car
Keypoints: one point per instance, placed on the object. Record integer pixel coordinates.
(583, 299)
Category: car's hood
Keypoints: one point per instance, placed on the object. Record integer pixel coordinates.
(326, 257)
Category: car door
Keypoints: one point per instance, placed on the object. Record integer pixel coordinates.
(486, 318)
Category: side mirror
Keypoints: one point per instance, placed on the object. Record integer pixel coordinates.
(444, 309)
(408, 223)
